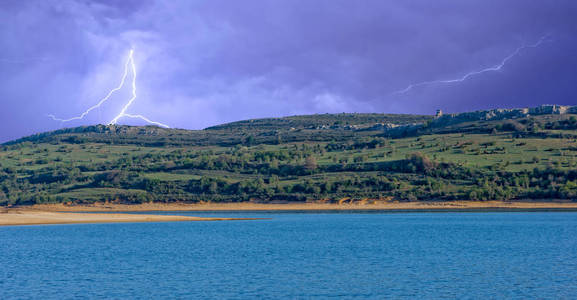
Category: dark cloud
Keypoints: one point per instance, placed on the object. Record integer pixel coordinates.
(205, 62)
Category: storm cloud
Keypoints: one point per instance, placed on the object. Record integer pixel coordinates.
(202, 63)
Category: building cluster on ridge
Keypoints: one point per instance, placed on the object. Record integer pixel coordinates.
(506, 113)
(441, 119)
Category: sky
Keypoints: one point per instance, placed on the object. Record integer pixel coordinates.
(202, 63)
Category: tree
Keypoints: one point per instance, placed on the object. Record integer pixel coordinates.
(213, 187)
(249, 140)
(421, 161)
(310, 163)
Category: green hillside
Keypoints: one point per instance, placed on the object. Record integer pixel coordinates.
(502, 155)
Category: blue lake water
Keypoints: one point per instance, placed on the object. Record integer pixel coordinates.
(298, 255)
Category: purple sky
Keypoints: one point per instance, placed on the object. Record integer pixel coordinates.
(202, 63)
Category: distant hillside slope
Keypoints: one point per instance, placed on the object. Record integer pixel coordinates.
(524, 154)
(326, 127)
(318, 128)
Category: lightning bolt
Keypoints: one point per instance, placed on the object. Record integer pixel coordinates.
(128, 66)
(494, 68)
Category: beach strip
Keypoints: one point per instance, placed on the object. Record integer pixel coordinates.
(382, 206)
(42, 217)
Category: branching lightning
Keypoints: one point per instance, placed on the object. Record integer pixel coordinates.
(494, 68)
(129, 66)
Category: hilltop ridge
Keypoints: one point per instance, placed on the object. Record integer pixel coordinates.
(392, 125)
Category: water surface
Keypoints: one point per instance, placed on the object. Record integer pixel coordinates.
(298, 255)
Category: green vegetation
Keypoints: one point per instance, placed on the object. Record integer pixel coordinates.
(303, 158)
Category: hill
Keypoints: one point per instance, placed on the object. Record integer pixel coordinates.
(504, 154)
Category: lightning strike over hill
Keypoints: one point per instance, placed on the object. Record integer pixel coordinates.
(494, 68)
(129, 66)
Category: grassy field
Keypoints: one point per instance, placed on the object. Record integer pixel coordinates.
(137, 164)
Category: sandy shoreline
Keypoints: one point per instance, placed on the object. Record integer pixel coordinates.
(66, 214)
(36, 217)
(386, 206)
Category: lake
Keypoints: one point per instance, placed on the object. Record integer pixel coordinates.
(298, 255)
